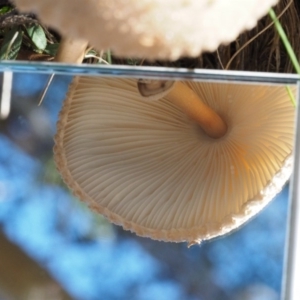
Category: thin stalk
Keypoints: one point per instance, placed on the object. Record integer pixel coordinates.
(108, 56)
(285, 41)
(291, 95)
(288, 48)
(11, 44)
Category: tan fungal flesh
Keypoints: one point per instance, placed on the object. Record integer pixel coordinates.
(151, 169)
(71, 50)
(190, 103)
(185, 99)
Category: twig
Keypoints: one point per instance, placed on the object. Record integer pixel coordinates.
(258, 34)
(11, 20)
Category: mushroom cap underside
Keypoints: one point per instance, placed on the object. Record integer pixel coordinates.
(147, 167)
(152, 29)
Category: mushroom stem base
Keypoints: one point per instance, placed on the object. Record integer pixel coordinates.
(71, 50)
(189, 102)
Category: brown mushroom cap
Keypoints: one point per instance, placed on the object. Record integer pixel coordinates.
(153, 29)
(149, 168)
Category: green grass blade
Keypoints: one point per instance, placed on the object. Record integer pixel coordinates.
(291, 95)
(285, 41)
(11, 44)
(288, 48)
(108, 57)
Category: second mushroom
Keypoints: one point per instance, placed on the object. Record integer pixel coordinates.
(149, 167)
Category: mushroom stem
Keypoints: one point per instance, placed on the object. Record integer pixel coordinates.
(71, 50)
(189, 102)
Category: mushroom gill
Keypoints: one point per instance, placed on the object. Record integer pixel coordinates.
(148, 167)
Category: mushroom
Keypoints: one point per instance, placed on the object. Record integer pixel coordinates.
(150, 168)
(152, 29)
(71, 50)
(185, 98)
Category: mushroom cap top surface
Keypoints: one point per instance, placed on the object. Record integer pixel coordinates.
(153, 29)
(147, 167)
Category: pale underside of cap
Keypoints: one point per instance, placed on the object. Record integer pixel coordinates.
(152, 29)
(147, 167)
